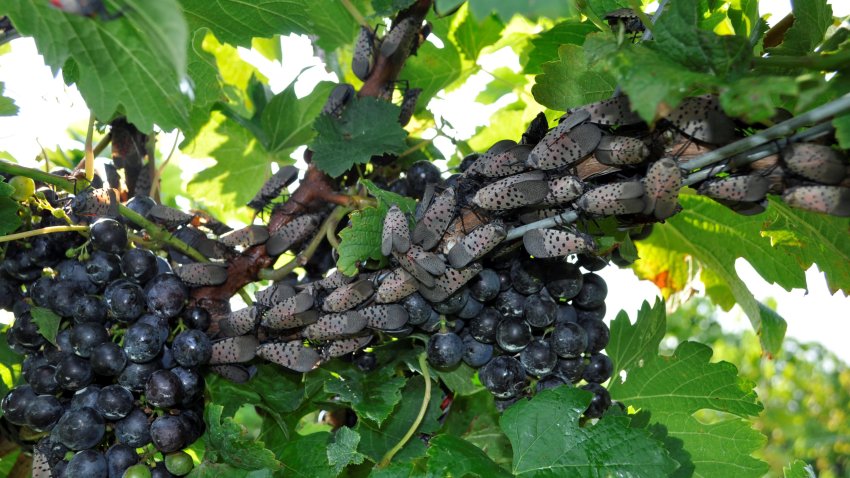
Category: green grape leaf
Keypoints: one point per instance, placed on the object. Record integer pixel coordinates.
(238, 23)
(545, 447)
(227, 441)
(9, 220)
(772, 330)
(452, 456)
(755, 99)
(307, 456)
(343, 451)
(506, 10)
(432, 69)
(368, 127)
(388, 7)
(458, 379)
(842, 130)
(403, 469)
(269, 47)
(799, 469)
(388, 198)
(206, 469)
(509, 122)
(571, 82)
(373, 396)
(10, 367)
(7, 105)
(602, 7)
(47, 322)
(361, 239)
(287, 119)
(544, 47)
(473, 35)
(140, 55)
(377, 440)
(504, 81)
(670, 389)
(6, 189)
(204, 73)
(474, 418)
(811, 20)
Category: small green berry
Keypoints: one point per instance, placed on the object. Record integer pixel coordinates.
(179, 463)
(24, 188)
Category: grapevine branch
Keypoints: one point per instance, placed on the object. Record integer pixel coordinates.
(426, 374)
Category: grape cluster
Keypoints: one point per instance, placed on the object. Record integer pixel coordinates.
(116, 387)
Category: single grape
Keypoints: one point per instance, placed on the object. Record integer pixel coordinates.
(419, 175)
(591, 262)
(86, 336)
(192, 383)
(103, 267)
(43, 380)
(453, 304)
(136, 375)
(168, 434)
(142, 342)
(41, 291)
(570, 370)
(475, 353)
(564, 281)
(114, 402)
(43, 412)
(139, 265)
(549, 382)
(191, 348)
(418, 309)
(64, 297)
(513, 335)
(108, 235)
(504, 275)
(179, 463)
(503, 376)
(63, 342)
(108, 359)
(445, 350)
(87, 463)
(133, 430)
(366, 362)
(432, 324)
(164, 389)
(540, 311)
(510, 303)
(161, 324)
(597, 335)
(196, 318)
(527, 276)
(599, 368)
(569, 340)
(194, 425)
(81, 428)
(566, 313)
(119, 457)
(90, 308)
(72, 270)
(483, 327)
(599, 403)
(138, 471)
(86, 397)
(74, 372)
(8, 294)
(471, 309)
(24, 188)
(593, 292)
(141, 205)
(538, 358)
(485, 286)
(166, 295)
(126, 301)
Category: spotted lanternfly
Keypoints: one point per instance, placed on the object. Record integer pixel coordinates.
(661, 188)
(563, 190)
(292, 312)
(144, 182)
(407, 263)
(536, 130)
(348, 296)
(273, 187)
(395, 235)
(450, 282)
(40, 462)
(477, 243)
(437, 217)
(168, 216)
(246, 237)
(198, 274)
(700, 118)
(620, 150)
(335, 326)
(408, 105)
(613, 199)
(384, 317)
(611, 112)
(566, 144)
(745, 188)
(292, 233)
(832, 200)
(239, 322)
(96, 203)
(334, 279)
(627, 17)
(274, 294)
(502, 163)
(522, 189)
(340, 96)
(338, 348)
(400, 37)
(292, 355)
(816, 162)
(364, 53)
(428, 261)
(234, 350)
(395, 287)
(235, 373)
(545, 243)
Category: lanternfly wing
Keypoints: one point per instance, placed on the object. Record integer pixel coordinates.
(239, 322)
(395, 287)
(292, 355)
(613, 199)
(364, 53)
(384, 317)
(816, 162)
(291, 233)
(348, 296)
(745, 188)
(832, 200)
(234, 372)
(544, 243)
(234, 350)
(396, 232)
(335, 326)
(273, 187)
(168, 216)
(661, 188)
(522, 189)
(563, 190)
(202, 274)
(437, 217)
(700, 118)
(620, 150)
(246, 237)
(449, 283)
(477, 243)
(338, 348)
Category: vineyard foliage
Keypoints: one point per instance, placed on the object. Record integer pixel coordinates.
(687, 410)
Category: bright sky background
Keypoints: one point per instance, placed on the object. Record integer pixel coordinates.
(48, 107)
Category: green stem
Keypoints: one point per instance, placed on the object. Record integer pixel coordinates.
(426, 374)
(38, 175)
(810, 62)
(89, 151)
(355, 13)
(43, 230)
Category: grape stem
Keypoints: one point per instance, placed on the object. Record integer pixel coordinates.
(426, 374)
(89, 150)
(43, 230)
(355, 13)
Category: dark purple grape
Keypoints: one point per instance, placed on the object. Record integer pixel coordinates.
(81, 428)
(540, 311)
(569, 340)
(510, 303)
(125, 300)
(475, 353)
(164, 389)
(168, 434)
(139, 265)
(599, 369)
(136, 375)
(570, 370)
(504, 275)
(196, 318)
(527, 276)
(41, 291)
(19, 265)
(160, 471)
(513, 335)
(64, 298)
(86, 397)
(142, 342)
(103, 267)
(503, 376)
(549, 382)
(600, 402)
(166, 295)
(43, 380)
(597, 335)
(31, 363)
(566, 313)
(195, 426)
(419, 175)
(162, 266)
(467, 161)
(108, 359)
(591, 263)
(366, 362)
(453, 304)
(584, 315)
(43, 412)
(90, 308)
(87, 463)
(192, 383)
(114, 402)
(108, 235)
(485, 286)
(63, 342)
(564, 281)
(74, 372)
(86, 336)
(432, 324)
(191, 348)
(45, 251)
(15, 404)
(483, 327)
(8, 294)
(161, 324)
(593, 292)
(445, 350)
(133, 430)
(72, 270)
(418, 309)
(538, 358)
(119, 457)
(471, 309)
(166, 359)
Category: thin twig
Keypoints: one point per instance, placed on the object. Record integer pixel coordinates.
(43, 230)
(358, 17)
(426, 374)
(89, 151)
